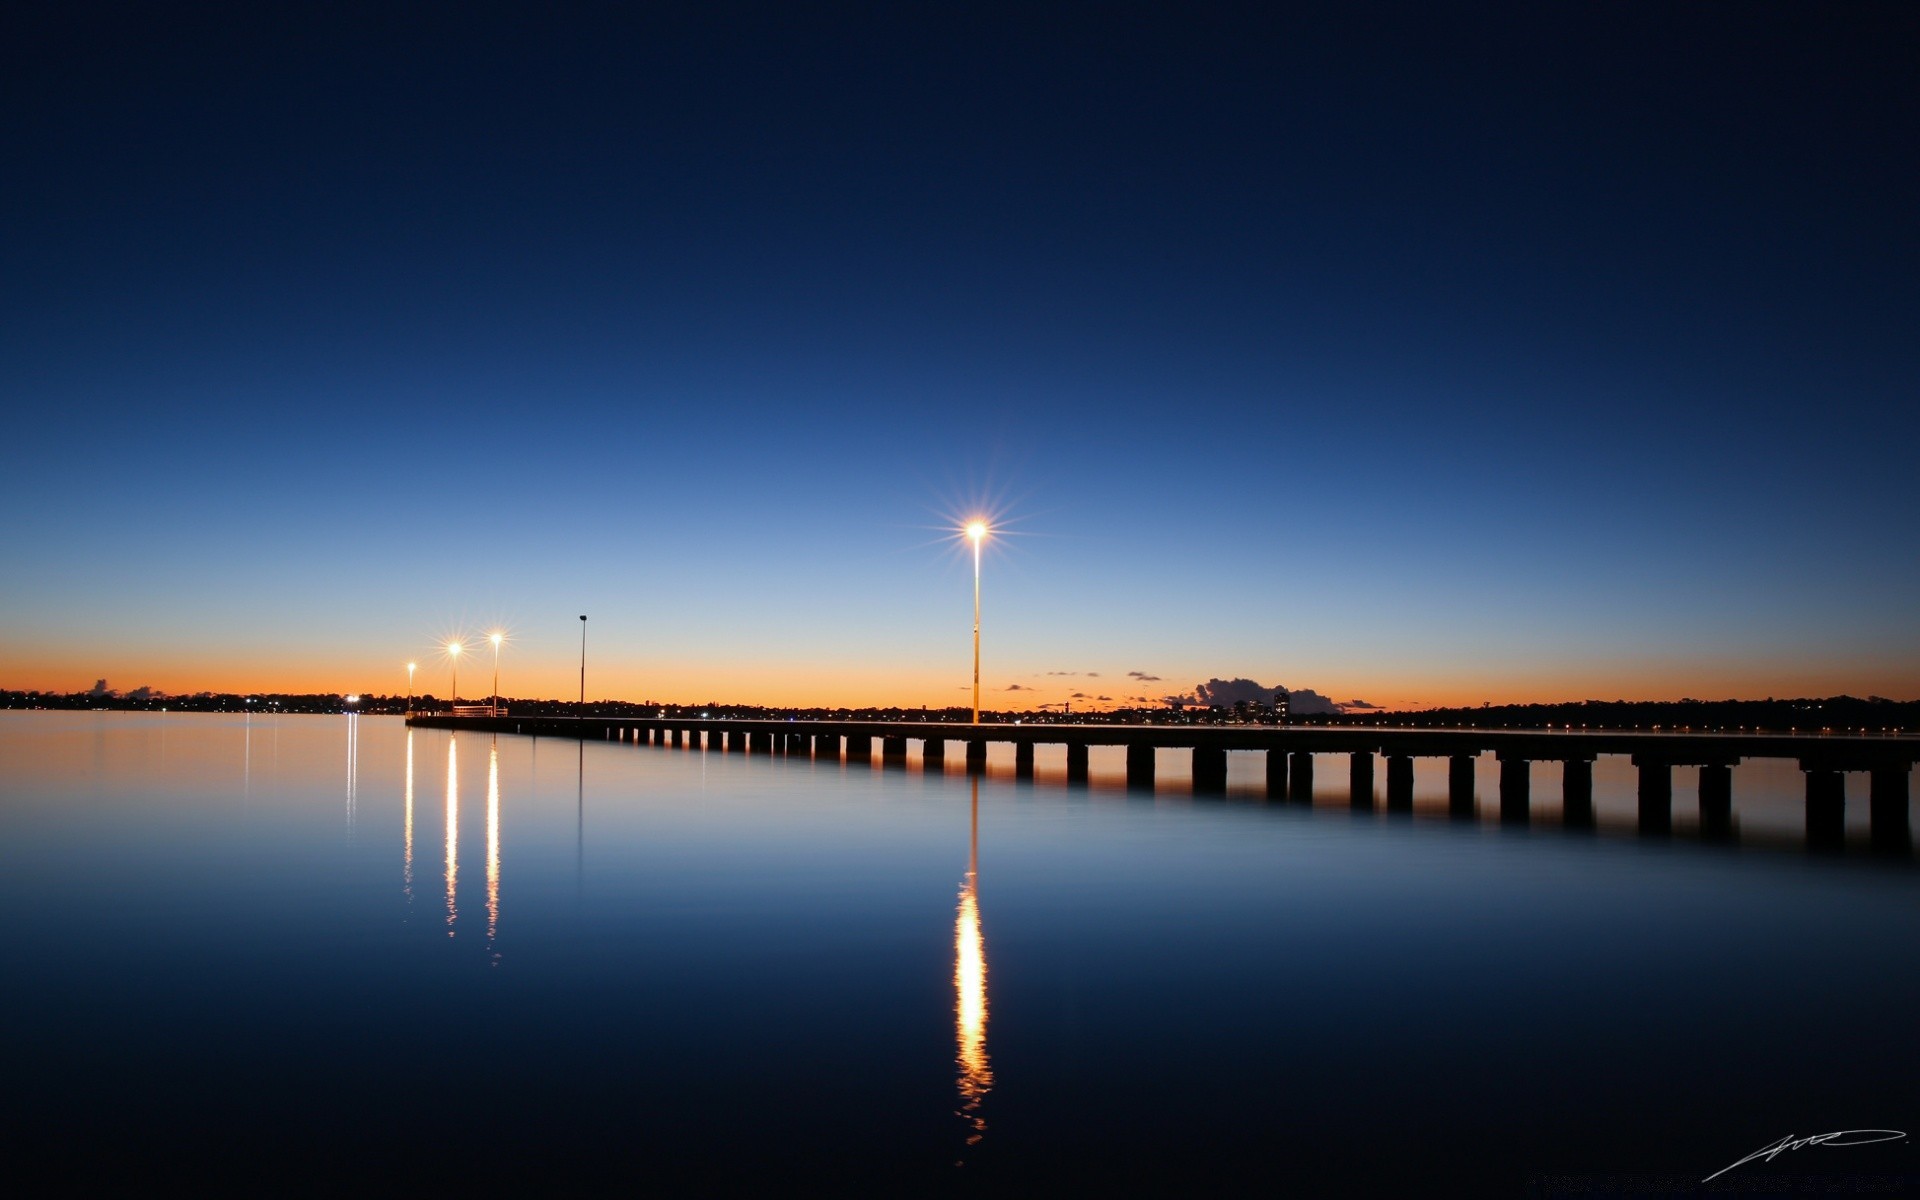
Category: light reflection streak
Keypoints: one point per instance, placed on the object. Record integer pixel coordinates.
(970, 991)
(580, 821)
(453, 832)
(493, 845)
(406, 870)
(353, 772)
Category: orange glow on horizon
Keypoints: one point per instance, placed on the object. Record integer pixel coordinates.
(931, 679)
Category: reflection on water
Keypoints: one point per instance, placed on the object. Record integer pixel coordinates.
(493, 845)
(453, 832)
(406, 868)
(970, 989)
(353, 771)
(1585, 996)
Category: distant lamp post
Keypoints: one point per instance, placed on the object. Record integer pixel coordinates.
(453, 656)
(410, 667)
(496, 637)
(583, 664)
(977, 533)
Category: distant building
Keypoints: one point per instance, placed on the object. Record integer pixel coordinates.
(1280, 706)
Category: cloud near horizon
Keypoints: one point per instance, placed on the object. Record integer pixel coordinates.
(1226, 693)
(1143, 677)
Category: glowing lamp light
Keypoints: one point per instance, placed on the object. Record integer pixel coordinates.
(976, 532)
(496, 637)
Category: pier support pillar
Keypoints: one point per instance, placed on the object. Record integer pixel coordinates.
(859, 748)
(976, 756)
(1300, 777)
(1460, 785)
(1360, 780)
(827, 746)
(1516, 788)
(1023, 760)
(1076, 762)
(1656, 794)
(1139, 765)
(676, 736)
(1399, 783)
(1716, 799)
(1576, 793)
(893, 749)
(1826, 807)
(1276, 774)
(933, 754)
(1209, 769)
(1887, 807)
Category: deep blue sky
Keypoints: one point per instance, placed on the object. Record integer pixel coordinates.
(1411, 353)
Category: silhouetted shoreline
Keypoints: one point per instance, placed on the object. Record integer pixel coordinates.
(1873, 714)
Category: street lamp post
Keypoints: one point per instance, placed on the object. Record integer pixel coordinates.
(495, 638)
(583, 664)
(453, 656)
(410, 667)
(977, 531)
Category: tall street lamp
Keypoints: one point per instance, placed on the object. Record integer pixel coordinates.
(410, 667)
(453, 656)
(583, 664)
(977, 531)
(496, 637)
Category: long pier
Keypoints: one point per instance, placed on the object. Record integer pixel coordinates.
(1290, 752)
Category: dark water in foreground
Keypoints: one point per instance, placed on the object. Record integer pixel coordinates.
(327, 954)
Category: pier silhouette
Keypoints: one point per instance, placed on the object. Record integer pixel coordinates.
(1291, 753)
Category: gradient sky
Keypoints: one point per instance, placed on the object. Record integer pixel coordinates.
(1410, 353)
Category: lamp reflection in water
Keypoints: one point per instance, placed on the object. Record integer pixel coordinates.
(970, 991)
(353, 770)
(493, 847)
(406, 864)
(453, 831)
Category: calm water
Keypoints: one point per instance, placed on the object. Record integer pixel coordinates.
(318, 953)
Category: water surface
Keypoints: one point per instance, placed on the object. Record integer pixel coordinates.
(306, 953)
